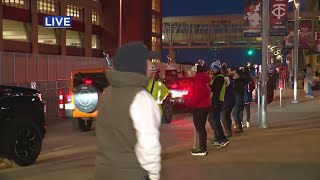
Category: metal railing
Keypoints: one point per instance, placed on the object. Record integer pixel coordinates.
(49, 72)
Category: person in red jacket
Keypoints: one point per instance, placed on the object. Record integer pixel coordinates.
(199, 100)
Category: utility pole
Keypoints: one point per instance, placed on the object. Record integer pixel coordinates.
(265, 41)
(120, 23)
(296, 49)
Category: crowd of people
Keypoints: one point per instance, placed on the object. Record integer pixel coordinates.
(215, 95)
(129, 117)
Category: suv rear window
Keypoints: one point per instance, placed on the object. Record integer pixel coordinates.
(97, 80)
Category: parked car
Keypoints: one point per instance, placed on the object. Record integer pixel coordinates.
(22, 125)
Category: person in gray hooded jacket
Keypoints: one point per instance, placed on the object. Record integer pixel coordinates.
(128, 121)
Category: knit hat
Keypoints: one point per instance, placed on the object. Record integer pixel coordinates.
(132, 57)
(202, 66)
(216, 65)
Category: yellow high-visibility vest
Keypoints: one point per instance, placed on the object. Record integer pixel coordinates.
(158, 90)
(223, 89)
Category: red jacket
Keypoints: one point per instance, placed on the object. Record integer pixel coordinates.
(199, 92)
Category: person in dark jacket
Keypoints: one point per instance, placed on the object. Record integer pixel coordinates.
(228, 104)
(238, 87)
(249, 87)
(128, 121)
(217, 97)
(199, 99)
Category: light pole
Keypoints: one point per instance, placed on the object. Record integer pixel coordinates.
(295, 49)
(120, 22)
(265, 40)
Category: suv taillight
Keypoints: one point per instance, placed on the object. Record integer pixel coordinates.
(69, 98)
(88, 81)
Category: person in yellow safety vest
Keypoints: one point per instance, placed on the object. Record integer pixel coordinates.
(218, 87)
(158, 90)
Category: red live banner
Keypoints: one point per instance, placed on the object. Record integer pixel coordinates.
(278, 17)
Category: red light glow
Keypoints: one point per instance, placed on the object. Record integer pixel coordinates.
(174, 86)
(88, 81)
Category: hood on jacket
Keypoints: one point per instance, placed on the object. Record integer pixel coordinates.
(123, 79)
(203, 77)
(132, 57)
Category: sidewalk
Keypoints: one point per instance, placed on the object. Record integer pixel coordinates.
(287, 150)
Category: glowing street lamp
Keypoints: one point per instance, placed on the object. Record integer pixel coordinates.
(295, 48)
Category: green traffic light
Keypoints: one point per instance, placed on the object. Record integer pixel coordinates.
(250, 52)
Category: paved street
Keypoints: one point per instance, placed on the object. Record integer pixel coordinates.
(288, 150)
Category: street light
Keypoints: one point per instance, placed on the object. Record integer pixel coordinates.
(120, 22)
(296, 48)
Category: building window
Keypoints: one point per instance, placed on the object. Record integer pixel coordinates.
(46, 36)
(156, 4)
(24, 4)
(95, 18)
(15, 30)
(156, 44)
(47, 7)
(74, 38)
(95, 42)
(75, 11)
(153, 23)
(156, 27)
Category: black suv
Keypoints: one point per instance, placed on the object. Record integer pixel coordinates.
(22, 125)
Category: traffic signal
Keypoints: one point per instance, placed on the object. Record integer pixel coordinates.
(250, 52)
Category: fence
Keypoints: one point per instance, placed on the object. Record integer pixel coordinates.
(50, 72)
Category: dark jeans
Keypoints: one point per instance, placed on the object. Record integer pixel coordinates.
(146, 178)
(217, 127)
(199, 119)
(237, 115)
(247, 109)
(226, 119)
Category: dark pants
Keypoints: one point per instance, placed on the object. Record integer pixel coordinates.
(217, 127)
(247, 109)
(146, 178)
(226, 119)
(199, 119)
(237, 115)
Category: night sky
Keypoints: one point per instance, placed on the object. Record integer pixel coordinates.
(234, 57)
(205, 7)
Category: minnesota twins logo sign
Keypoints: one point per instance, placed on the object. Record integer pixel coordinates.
(279, 10)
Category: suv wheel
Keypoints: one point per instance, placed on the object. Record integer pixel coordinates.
(82, 124)
(167, 109)
(26, 146)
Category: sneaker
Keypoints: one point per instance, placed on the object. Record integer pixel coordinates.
(223, 144)
(310, 97)
(243, 124)
(307, 96)
(198, 152)
(215, 143)
(248, 124)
